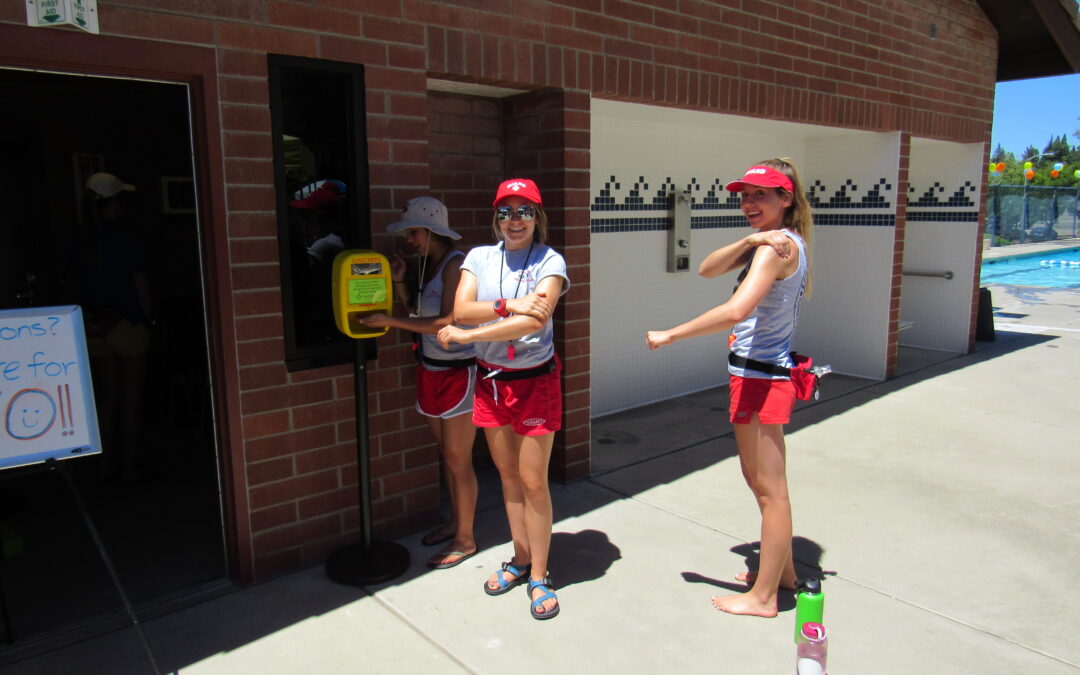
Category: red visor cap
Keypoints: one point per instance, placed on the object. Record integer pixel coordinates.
(761, 176)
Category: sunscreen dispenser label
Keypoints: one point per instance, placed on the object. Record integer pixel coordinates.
(361, 286)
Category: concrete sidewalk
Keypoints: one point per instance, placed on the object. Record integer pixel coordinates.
(939, 505)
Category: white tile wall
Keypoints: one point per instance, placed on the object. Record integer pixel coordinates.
(940, 308)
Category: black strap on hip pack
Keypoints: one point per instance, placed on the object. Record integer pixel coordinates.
(523, 374)
(759, 366)
(438, 363)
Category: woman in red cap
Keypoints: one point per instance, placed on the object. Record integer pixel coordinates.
(510, 291)
(762, 314)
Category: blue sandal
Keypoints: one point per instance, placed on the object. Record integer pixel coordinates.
(504, 585)
(546, 585)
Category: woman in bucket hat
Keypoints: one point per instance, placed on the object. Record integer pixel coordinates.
(762, 314)
(510, 290)
(445, 376)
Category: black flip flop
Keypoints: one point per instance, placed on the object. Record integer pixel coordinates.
(448, 565)
(436, 537)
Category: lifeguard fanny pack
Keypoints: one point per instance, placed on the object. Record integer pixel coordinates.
(804, 377)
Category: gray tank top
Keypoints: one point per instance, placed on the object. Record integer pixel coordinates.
(767, 333)
(430, 304)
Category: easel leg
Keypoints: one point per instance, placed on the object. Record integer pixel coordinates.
(63, 469)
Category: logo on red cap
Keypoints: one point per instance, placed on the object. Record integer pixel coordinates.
(519, 187)
(761, 176)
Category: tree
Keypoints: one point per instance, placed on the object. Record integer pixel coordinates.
(1001, 155)
(1057, 149)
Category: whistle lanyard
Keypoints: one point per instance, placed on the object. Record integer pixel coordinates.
(502, 263)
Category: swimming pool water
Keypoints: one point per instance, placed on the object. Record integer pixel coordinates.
(1050, 269)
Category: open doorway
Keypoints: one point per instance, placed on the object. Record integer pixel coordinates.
(161, 522)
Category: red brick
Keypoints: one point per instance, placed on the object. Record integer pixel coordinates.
(258, 377)
(410, 480)
(324, 413)
(236, 62)
(247, 145)
(252, 225)
(390, 30)
(285, 397)
(325, 458)
(302, 17)
(328, 503)
(293, 488)
(255, 276)
(440, 14)
(260, 328)
(271, 40)
(249, 10)
(251, 172)
(255, 426)
(368, 52)
(594, 23)
(270, 470)
(295, 535)
(275, 516)
(289, 443)
(250, 303)
(260, 351)
(192, 30)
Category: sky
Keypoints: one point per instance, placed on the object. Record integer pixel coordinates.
(1029, 112)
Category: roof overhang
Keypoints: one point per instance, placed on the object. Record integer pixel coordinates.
(1036, 38)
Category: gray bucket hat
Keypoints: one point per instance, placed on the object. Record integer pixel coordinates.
(426, 212)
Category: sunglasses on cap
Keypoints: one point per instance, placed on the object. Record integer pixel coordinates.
(505, 213)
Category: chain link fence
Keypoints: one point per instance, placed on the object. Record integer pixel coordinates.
(1019, 214)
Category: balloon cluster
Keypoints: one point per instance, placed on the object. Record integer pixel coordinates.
(996, 169)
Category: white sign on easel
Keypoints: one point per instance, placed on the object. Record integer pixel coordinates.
(79, 13)
(46, 394)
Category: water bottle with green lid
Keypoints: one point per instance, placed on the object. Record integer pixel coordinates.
(809, 604)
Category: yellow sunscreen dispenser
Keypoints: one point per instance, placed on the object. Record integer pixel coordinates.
(361, 286)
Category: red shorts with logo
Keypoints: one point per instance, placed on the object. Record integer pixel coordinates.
(532, 405)
(444, 393)
(772, 400)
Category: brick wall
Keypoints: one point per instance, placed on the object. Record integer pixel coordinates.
(852, 63)
(902, 181)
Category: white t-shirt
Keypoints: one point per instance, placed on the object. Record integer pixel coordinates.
(513, 274)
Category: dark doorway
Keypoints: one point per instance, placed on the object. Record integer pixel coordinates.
(161, 523)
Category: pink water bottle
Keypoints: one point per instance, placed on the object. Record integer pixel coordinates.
(810, 652)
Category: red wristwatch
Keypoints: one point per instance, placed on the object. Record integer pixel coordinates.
(500, 307)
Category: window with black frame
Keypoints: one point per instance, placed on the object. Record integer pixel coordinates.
(320, 169)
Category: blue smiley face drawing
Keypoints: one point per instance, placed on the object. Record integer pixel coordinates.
(30, 414)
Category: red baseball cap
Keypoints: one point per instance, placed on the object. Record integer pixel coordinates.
(518, 187)
(324, 200)
(761, 176)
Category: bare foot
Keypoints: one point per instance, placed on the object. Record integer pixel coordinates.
(744, 603)
(749, 578)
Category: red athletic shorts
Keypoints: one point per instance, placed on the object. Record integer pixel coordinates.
(444, 393)
(533, 405)
(772, 400)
